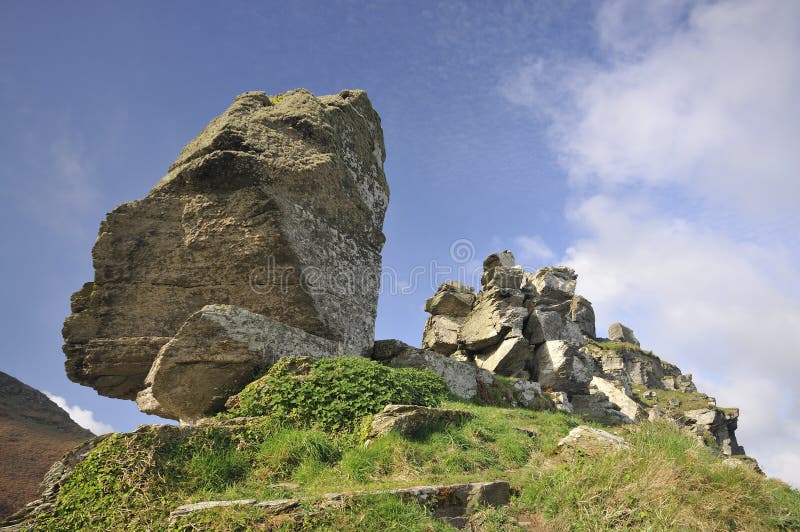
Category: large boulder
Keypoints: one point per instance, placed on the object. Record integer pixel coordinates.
(544, 325)
(563, 367)
(615, 393)
(497, 313)
(451, 299)
(441, 334)
(582, 313)
(276, 207)
(219, 350)
(555, 283)
(718, 423)
(510, 358)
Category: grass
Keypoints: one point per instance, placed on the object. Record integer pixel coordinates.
(667, 481)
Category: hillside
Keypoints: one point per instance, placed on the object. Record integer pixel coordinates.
(34, 433)
(239, 297)
(655, 477)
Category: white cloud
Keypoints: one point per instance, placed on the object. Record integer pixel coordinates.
(682, 147)
(84, 418)
(711, 106)
(715, 307)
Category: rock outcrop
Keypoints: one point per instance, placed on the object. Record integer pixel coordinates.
(276, 207)
(34, 433)
(525, 325)
(534, 328)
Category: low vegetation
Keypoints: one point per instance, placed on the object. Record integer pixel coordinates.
(665, 482)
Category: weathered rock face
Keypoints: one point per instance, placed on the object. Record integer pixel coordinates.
(276, 207)
(214, 355)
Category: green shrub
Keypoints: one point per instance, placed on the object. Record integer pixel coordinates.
(335, 393)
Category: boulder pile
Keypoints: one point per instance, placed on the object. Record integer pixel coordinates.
(534, 328)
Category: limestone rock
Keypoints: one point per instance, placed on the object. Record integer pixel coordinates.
(563, 367)
(627, 365)
(592, 442)
(510, 358)
(616, 395)
(719, 423)
(597, 405)
(496, 313)
(451, 299)
(463, 379)
(745, 462)
(409, 420)
(617, 332)
(275, 207)
(561, 401)
(502, 277)
(544, 325)
(555, 283)
(214, 355)
(441, 334)
(582, 313)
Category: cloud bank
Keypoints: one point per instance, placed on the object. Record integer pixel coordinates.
(681, 143)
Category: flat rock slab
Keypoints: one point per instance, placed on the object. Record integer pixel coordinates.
(592, 442)
(273, 506)
(409, 420)
(451, 503)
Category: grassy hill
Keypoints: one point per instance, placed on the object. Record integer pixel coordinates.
(667, 480)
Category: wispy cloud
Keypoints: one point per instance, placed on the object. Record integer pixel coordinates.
(81, 416)
(682, 147)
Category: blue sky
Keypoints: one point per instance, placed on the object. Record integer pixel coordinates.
(653, 146)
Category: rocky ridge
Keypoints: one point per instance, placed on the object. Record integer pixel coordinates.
(533, 327)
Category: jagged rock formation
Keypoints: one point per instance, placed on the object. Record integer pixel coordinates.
(34, 433)
(276, 207)
(533, 327)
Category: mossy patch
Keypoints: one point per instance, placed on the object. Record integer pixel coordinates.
(335, 393)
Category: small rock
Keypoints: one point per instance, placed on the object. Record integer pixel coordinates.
(561, 401)
(409, 420)
(620, 333)
(591, 441)
(674, 403)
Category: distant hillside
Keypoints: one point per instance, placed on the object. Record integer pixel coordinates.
(34, 433)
